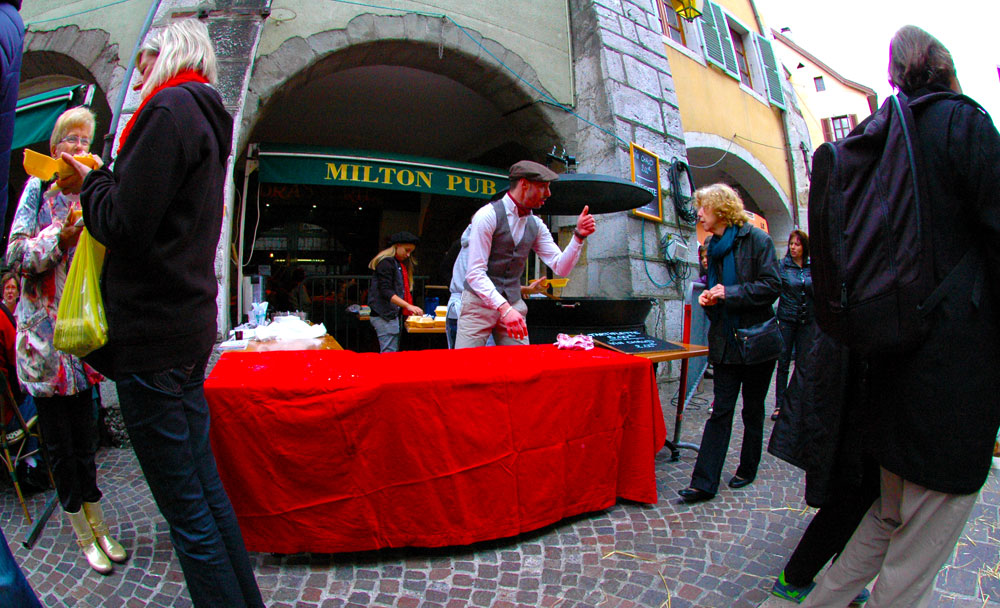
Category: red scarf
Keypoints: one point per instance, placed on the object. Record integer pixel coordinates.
(179, 78)
(406, 287)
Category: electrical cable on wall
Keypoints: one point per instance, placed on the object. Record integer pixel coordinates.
(645, 262)
(682, 201)
(677, 267)
(75, 14)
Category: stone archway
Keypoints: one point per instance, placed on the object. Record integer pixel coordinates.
(417, 47)
(84, 55)
(713, 158)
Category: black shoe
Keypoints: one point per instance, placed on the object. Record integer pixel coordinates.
(736, 482)
(775, 415)
(32, 479)
(692, 495)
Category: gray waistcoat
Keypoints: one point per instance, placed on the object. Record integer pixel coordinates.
(506, 263)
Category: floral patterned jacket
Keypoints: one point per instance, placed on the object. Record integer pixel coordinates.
(33, 248)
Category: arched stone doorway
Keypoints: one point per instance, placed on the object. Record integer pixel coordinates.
(424, 53)
(73, 55)
(716, 159)
(434, 96)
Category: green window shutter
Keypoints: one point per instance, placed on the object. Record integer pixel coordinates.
(35, 116)
(713, 45)
(772, 73)
(728, 52)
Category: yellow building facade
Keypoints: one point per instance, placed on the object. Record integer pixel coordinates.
(735, 108)
(831, 104)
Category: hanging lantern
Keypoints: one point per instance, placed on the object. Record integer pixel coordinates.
(689, 9)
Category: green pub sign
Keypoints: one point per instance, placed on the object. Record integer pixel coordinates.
(334, 168)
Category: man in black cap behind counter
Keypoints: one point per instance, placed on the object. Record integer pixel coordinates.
(503, 233)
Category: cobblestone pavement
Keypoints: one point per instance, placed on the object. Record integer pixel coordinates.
(722, 553)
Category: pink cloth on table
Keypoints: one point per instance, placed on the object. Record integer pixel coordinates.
(578, 342)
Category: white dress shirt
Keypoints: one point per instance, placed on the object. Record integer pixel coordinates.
(484, 222)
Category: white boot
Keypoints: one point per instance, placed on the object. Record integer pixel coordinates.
(111, 547)
(88, 543)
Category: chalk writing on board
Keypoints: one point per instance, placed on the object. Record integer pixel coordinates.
(646, 173)
(631, 342)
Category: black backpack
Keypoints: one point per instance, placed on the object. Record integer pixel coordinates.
(870, 235)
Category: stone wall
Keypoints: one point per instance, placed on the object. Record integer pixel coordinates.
(801, 156)
(624, 84)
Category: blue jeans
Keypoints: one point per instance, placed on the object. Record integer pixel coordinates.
(15, 591)
(167, 419)
(798, 340)
(450, 331)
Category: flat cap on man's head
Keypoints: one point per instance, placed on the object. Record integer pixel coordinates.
(404, 237)
(533, 171)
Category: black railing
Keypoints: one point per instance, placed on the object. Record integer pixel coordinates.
(331, 298)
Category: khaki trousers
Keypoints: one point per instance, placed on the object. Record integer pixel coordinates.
(477, 322)
(904, 539)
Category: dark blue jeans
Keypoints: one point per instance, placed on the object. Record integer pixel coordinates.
(754, 380)
(167, 419)
(798, 341)
(14, 588)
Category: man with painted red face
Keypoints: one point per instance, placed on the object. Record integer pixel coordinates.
(503, 233)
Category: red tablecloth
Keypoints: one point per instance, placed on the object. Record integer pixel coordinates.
(328, 451)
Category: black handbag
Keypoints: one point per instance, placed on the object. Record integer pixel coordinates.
(761, 342)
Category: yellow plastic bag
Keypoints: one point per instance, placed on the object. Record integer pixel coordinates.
(81, 326)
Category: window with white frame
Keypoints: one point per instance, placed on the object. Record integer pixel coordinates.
(744, 55)
(742, 60)
(838, 127)
(673, 26)
(677, 32)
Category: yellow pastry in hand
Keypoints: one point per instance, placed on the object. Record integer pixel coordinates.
(45, 167)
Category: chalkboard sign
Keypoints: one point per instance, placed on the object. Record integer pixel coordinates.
(646, 173)
(631, 342)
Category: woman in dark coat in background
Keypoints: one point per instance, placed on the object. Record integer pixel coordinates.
(795, 311)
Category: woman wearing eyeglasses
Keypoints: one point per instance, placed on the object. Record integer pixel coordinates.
(42, 242)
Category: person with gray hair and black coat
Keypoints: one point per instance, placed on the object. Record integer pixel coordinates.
(931, 413)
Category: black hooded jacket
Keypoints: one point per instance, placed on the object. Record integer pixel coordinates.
(821, 422)
(160, 215)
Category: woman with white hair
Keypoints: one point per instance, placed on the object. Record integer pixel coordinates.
(160, 213)
(42, 243)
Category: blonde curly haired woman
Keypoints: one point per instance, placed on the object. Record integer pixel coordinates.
(743, 282)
